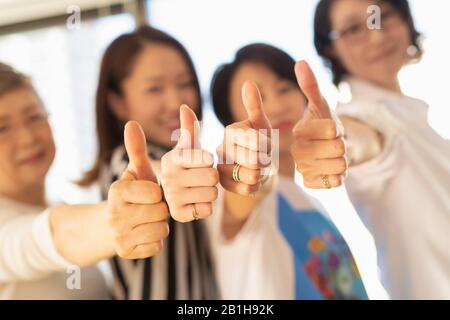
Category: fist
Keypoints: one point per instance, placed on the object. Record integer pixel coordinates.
(137, 212)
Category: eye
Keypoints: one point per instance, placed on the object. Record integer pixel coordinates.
(354, 30)
(389, 16)
(285, 88)
(154, 89)
(4, 129)
(186, 84)
(36, 118)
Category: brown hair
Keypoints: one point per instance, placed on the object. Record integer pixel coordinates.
(323, 28)
(11, 79)
(116, 65)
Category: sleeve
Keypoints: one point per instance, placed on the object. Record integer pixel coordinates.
(27, 250)
(384, 166)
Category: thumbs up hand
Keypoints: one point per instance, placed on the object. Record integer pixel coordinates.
(246, 148)
(137, 212)
(319, 148)
(188, 177)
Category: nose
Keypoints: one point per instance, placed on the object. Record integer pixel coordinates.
(272, 107)
(25, 136)
(377, 36)
(173, 99)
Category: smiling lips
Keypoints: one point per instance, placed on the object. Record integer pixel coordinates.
(383, 54)
(172, 125)
(33, 159)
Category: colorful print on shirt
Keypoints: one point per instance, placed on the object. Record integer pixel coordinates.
(324, 266)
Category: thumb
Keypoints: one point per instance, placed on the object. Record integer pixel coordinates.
(254, 107)
(136, 147)
(317, 106)
(190, 129)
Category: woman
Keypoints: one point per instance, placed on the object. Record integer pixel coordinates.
(42, 248)
(286, 246)
(399, 168)
(146, 75)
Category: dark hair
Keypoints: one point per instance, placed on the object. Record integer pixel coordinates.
(116, 66)
(271, 57)
(322, 29)
(11, 79)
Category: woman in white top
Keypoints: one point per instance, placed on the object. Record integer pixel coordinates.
(399, 168)
(43, 249)
(279, 244)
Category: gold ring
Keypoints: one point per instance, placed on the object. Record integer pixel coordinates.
(194, 212)
(236, 172)
(326, 181)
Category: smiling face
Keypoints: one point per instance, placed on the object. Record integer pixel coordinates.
(373, 55)
(283, 101)
(27, 148)
(159, 83)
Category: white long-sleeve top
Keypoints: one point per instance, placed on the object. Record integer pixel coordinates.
(403, 194)
(30, 265)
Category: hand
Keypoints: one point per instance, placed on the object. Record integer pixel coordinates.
(137, 212)
(246, 148)
(319, 148)
(188, 177)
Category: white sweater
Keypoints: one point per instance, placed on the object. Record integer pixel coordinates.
(30, 265)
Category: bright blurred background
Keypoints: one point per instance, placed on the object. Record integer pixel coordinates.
(39, 38)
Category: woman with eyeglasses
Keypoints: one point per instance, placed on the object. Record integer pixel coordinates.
(398, 167)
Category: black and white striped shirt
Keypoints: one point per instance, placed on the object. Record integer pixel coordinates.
(183, 270)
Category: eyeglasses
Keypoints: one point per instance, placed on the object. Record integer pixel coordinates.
(357, 32)
(33, 121)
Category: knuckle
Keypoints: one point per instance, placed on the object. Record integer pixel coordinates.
(331, 130)
(213, 177)
(164, 209)
(214, 192)
(121, 253)
(309, 181)
(154, 248)
(178, 215)
(114, 191)
(338, 180)
(254, 177)
(174, 200)
(342, 165)
(303, 167)
(208, 210)
(165, 183)
(165, 230)
(307, 184)
(340, 147)
(207, 158)
(122, 249)
(156, 192)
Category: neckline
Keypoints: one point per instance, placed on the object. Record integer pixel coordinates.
(21, 205)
